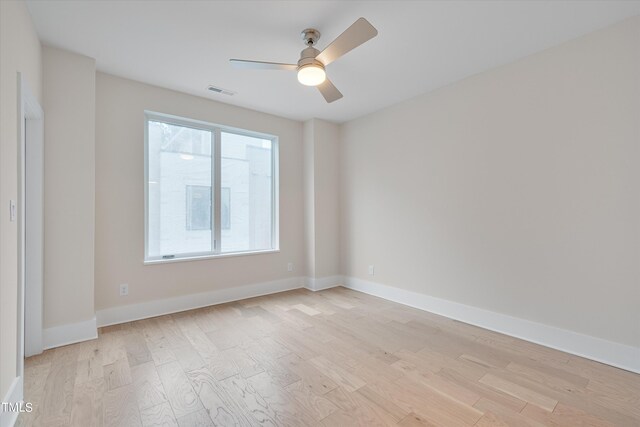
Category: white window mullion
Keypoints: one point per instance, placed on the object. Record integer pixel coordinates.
(146, 186)
(275, 189)
(216, 185)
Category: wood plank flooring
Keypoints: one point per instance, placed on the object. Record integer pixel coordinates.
(330, 358)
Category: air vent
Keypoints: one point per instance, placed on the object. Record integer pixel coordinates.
(220, 90)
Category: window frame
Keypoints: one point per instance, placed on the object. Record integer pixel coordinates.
(216, 186)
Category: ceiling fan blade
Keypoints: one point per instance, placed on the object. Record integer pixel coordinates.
(358, 33)
(329, 91)
(259, 65)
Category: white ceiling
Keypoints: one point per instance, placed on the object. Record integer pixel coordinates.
(421, 45)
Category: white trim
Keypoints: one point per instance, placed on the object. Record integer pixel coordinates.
(30, 229)
(275, 192)
(33, 140)
(608, 352)
(216, 187)
(14, 394)
(201, 257)
(70, 333)
(320, 283)
(129, 313)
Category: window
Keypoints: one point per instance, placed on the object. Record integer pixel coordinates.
(210, 190)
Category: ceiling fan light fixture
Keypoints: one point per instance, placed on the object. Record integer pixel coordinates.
(311, 75)
(310, 67)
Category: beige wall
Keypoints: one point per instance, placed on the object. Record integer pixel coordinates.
(120, 197)
(516, 190)
(321, 198)
(326, 190)
(309, 198)
(69, 164)
(19, 52)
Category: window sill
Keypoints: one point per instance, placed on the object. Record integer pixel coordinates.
(205, 257)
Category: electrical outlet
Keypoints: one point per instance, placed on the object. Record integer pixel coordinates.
(290, 266)
(124, 290)
(371, 270)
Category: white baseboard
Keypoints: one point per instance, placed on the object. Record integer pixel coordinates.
(70, 333)
(320, 283)
(129, 313)
(14, 394)
(608, 352)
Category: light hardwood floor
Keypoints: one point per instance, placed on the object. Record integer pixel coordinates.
(330, 358)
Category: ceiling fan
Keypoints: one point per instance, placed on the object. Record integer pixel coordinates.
(312, 63)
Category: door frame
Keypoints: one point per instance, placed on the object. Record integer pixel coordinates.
(30, 224)
(30, 239)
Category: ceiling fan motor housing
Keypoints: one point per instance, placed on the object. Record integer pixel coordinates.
(308, 57)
